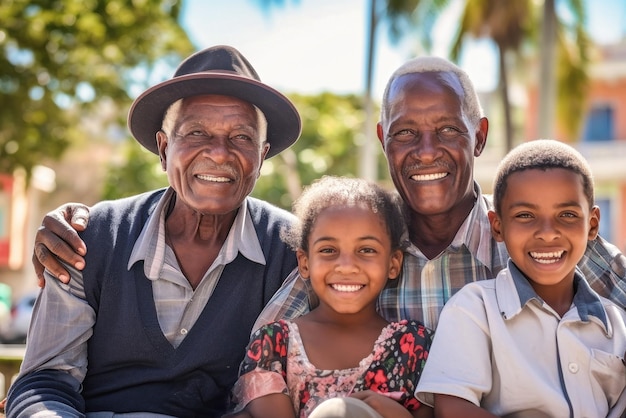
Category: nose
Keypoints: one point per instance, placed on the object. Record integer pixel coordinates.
(218, 149)
(346, 264)
(547, 230)
(427, 146)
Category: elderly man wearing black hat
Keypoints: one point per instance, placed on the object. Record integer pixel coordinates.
(157, 322)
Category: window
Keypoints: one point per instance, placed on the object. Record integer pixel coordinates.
(599, 124)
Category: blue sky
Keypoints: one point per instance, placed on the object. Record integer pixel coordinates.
(308, 46)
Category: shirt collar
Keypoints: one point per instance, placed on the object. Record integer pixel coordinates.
(150, 246)
(474, 233)
(587, 302)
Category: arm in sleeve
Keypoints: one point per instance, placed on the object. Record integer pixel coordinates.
(619, 409)
(55, 362)
(294, 298)
(604, 267)
(54, 391)
(415, 344)
(263, 370)
(459, 361)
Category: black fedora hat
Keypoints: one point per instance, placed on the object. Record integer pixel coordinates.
(220, 70)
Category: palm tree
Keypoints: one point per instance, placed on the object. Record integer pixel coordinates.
(508, 24)
(511, 25)
(572, 73)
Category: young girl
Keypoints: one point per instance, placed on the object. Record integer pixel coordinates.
(349, 244)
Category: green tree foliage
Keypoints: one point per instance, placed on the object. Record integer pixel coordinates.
(332, 131)
(573, 48)
(60, 58)
(138, 171)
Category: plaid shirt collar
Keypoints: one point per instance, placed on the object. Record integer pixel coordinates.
(474, 233)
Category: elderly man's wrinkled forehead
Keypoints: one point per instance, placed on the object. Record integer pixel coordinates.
(173, 110)
(452, 81)
(445, 79)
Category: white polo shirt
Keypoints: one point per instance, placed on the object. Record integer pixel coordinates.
(499, 346)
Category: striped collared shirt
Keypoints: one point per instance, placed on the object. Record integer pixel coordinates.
(178, 305)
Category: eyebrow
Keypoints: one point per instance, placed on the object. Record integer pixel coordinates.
(438, 119)
(522, 204)
(363, 238)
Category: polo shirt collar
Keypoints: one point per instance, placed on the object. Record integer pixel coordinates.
(514, 292)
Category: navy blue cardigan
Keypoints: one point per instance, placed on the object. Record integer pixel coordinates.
(132, 366)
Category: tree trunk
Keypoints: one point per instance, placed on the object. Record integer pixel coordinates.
(547, 75)
(506, 105)
(292, 175)
(368, 166)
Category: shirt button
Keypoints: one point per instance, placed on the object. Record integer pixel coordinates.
(573, 367)
(183, 331)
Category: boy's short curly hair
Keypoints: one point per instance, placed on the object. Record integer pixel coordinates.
(541, 154)
(333, 191)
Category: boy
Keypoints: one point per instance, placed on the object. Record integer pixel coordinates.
(537, 340)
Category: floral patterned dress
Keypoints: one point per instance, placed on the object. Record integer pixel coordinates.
(276, 362)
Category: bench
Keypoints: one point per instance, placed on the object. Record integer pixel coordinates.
(11, 356)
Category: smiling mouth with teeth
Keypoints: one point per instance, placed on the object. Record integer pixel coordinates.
(429, 177)
(347, 287)
(213, 179)
(547, 258)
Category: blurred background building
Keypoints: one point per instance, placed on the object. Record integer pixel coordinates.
(602, 139)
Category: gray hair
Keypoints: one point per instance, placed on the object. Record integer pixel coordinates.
(427, 64)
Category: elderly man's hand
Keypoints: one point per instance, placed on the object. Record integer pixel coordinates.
(58, 237)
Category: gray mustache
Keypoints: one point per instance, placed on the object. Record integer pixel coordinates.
(440, 166)
(225, 169)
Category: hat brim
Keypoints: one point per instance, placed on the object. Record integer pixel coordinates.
(146, 113)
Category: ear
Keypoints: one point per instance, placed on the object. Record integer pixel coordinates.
(303, 263)
(162, 140)
(395, 264)
(496, 226)
(594, 223)
(380, 134)
(264, 151)
(481, 136)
